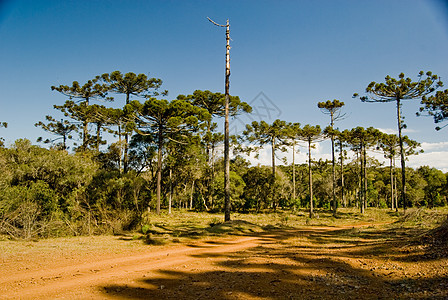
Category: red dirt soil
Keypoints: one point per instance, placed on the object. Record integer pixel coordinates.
(308, 263)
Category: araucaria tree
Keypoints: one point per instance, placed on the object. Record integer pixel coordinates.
(293, 133)
(310, 134)
(275, 135)
(62, 129)
(332, 108)
(214, 103)
(131, 84)
(82, 94)
(436, 106)
(389, 144)
(165, 120)
(397, 90)
(361, 139)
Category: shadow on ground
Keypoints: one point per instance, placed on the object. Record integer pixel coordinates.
(295, 264)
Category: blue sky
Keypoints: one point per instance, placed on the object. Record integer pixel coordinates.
(296, 52)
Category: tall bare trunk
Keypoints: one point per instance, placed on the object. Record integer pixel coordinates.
(226, 130)
(227, 204)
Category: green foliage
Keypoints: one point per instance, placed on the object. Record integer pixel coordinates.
(61, 128)
(262, 133)
(5, 125)
(332, 108)
(435, 190)
(173, 161)
(165, 120)
(214, 103)
(258, 187)
(237, 186)
(402, 88)
(65, 189)
(397, 90)
(43, 179)
(436, 106)
(131, 84)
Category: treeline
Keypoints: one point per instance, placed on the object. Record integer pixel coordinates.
(166, 155)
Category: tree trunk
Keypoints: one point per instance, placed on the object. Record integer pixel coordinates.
(365, 178)
(98, 138)
(333, 168)
(159, 168)
(226, 131)
(343, 200)
(361, 182)
(120, 159)
(294, 174)
(171, 191)
(191, 194)
(126, 143)
(85, 134)
(273, 174)
(212, 189)
(395, 187)
(203, 202)
(209, 179)
(391, 185)
(403, 164)
(310, 179)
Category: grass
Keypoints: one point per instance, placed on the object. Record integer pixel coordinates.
(185, 225)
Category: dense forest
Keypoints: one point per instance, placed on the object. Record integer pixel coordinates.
(106, 169)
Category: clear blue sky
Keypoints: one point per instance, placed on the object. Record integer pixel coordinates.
(296, 52)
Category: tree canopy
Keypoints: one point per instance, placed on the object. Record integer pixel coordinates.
(397, 90)
(436, 106)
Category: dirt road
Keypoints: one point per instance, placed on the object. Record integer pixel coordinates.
(312, 263)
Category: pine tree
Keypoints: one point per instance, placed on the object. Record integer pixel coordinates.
(131, 84)
(165, 120)
(92, 90)
(62, 129)
(262, 133)
(398, 90)
(332, 108)
(310, 134)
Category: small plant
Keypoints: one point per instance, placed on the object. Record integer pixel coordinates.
(284, 220)
(145, 228)
(214, 222)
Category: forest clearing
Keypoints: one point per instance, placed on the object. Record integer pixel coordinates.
(376, 255)
(134, 166)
